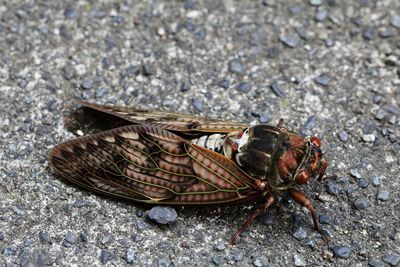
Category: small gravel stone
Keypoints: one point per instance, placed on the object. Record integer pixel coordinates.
(363, 183)
(106, 256)
(238, 257)
(219, 247)
(311, 243)
(139, 213)
(86, 84)
(380, 115)
(375, 263)
(329, 42)
(369, 127)
(299, 233)
(368, 138)
(395, 21)
(290, 41)
(355, 173)
(83, 237)
(368, 33)
(383, 195)
(265, 118)
(391, 259)
(142, 225)
(295, 9)
(70, 13)
(333, 188)
(236, 66)
(298, 260)
(375, 180)
(198, 104)
(224, 84)
(218, 260)
(343, 136)
(68, 73)
(324, 79)
(101, 92)
(244, 87)
(130, 256)
(9, 251)
(315, 2)
(69, 239)
(277, 89)
(323, 219)
(106, 239)
(258, 262)
(342, 251)
(310, 123)
(163, 215)
(185, 86)
(272, 52)
(361, 203)
(163, 262)
(18, 210)
(321, 15)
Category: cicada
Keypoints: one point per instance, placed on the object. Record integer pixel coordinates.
(173, 159)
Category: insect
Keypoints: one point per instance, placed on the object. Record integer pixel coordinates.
(174, 159)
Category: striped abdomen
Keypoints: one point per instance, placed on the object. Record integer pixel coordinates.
(213, 142)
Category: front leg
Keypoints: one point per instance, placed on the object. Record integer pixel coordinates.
(262, 209)
(300, 198)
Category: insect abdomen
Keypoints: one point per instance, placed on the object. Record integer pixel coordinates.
(213, 142)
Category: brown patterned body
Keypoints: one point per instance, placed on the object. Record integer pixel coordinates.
(155, 161)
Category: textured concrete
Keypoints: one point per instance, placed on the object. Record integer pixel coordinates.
(329, 68)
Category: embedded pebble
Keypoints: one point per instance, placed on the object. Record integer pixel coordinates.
(375, 180)
(321, 15)
(395, 21)
(383, 195)
(369, 138)
(298, 260)
(162, 214)
(236, 66)
(258, 262)
(290, 41)
(224, 84)
(244, 87)
(391, 259)
(363, 183)
(106, 256)
(375, 263)
(343, 136)
(342, 251)
(130, 256)
(361, 203)
(277, 89)
(324, 79)
(299, 233)
(315, 2)
(369, 33)
(219, 247)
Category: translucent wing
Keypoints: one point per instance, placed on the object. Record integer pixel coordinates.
(167, 120)
(152, 165)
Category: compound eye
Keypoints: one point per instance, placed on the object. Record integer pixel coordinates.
(315, 141)
(303, 177)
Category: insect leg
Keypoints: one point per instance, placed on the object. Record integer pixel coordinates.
(246, 224)
(281, 123)
(300, 198)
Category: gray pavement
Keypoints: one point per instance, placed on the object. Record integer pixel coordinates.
(329, 68)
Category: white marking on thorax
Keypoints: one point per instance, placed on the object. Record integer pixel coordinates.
(213, 142)
(243, 140)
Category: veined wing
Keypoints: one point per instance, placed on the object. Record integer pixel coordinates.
(152, 165)
(167, 120)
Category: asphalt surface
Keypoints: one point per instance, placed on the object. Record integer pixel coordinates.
(329, 68)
